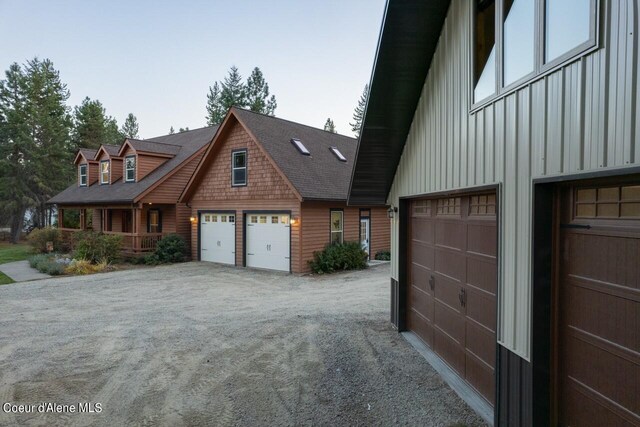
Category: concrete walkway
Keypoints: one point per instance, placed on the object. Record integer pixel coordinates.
(20, 271)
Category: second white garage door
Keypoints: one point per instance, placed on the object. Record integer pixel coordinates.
(268, 241)
(218, 238)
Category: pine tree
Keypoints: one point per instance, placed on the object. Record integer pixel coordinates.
(215, 109)
(257, 94)
(183, 129)
(130, 127)
(358, 112)
(233, 90)
(171, 130)
(92, 127)
(329, 126)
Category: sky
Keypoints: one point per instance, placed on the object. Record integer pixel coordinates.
(157, 59)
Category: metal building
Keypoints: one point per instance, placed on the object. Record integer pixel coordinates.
(504, 134)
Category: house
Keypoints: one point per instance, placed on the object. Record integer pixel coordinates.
(132, 190)
(268, 193)
(504, 135)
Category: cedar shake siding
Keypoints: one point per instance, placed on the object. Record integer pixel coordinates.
(146, 164)
(116, 169)
(173, 186)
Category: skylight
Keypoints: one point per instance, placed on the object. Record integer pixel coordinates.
(300, 146)
(338, 154)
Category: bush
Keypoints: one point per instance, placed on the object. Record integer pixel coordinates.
(97, 247)
(171, 248)
(49, 264)
(82, 266)
(383, 255)
(335, 257)
(38, 239)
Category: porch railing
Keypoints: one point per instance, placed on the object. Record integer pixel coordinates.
(131, 242)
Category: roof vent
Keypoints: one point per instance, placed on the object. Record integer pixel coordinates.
(300, 146)
(338, 154)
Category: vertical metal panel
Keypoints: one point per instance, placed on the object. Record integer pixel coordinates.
(581, 117)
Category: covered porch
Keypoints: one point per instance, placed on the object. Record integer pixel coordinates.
(140, 225)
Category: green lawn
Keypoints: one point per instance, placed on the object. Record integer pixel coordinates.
(10, 253)
(4, 279)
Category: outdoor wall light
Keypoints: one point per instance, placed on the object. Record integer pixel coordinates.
(391, 211)
(192, 219)
(294, 221)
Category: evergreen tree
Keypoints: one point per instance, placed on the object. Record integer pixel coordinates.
(130, 127)
(171, 130)
(358, 112)
(92, 127)
(215, 109)
(36, 125)
(257, 94)
(329, 126)
(183, 129)
(233, 90)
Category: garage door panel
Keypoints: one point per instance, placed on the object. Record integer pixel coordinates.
(218, 238)
(450, 351)
(421, 326)
(422, 254)
(479, 342)
(421, 302)
(480, 307)
(482, 274)
(481, 238)
(583, 410)
(447, 291)
(423, 230)
(420, 278)
(268, 241)
(451, 263)
(480, 376)
(449, 321)
(450, 233)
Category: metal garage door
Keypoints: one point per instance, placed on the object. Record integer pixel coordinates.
(218, 238)
(598, 306)
(268, 241)
(453, 281)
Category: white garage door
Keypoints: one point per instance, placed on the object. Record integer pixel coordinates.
(218, 238)
(268, 241)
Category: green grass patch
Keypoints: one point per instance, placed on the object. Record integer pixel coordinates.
(4, 279)
(17, 252)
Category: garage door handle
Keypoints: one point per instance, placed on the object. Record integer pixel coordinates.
(432, 282)
(249, 254)
(578, 226)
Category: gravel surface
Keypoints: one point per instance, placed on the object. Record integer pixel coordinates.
(200, 344)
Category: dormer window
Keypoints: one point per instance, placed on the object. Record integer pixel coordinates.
(130, 169)
(104, 172)
(82, 175)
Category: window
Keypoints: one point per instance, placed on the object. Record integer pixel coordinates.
(82, 174)
(519, 39)
(532, 36)
(154, 224)
(338, 154)
(104, 172)
(274, 220)
(567, 25)
(130, 169)
(484, 73)
(300, 146)
(239, 168)
(263, 219)
(336, 226)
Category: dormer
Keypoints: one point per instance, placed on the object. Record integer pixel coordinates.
(86, 167)
(140, 157)
(109, 164)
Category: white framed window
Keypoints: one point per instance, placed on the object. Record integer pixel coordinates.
(104, 172)
(239, 168)
(130, 168)
(337, 226)
(82, 175)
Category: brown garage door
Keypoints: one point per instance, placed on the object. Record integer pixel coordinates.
(599, 306)
(453, 281)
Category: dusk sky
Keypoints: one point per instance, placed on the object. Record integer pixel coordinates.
(157, 59)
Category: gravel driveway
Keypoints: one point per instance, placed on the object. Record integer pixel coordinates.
(200, 344)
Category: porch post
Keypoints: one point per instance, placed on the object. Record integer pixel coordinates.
(137, 224)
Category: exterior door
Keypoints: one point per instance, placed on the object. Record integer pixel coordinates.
(598, 306)
(218, 238)
(365, 235)
(268, 241)
(452, 288)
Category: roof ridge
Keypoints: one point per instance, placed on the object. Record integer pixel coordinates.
(179, 133)
(295, 123)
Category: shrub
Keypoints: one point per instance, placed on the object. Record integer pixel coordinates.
(97, 247)
(37, 259)
(82, 266)
(171, 248)
(383, 255)
(38, 239)
(335, 257)
(49, 264)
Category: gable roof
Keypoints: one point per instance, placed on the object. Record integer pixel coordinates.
(189, 143)
(88, 153)
(149, 146)
(408, 40)
(319, 176)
